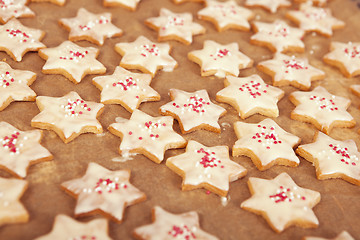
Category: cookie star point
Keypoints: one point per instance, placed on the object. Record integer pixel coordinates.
(270, 5)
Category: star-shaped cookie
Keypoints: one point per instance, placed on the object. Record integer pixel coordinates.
(220, 60)
(250, 95)
(11, 209)
(266, 143)
(146, 56)
(282, 202)
(68, 116)
(16, 39)
(317, 19)
(333, 158)
(14, 9)
(14, 85)
(345, 56)
(147, 135)
(278, 36)
(103, 191)
(290, 70)
(193, 110)
(71, 61)
(344, 235)
(206, 167)
(91, 27)
(67, 228)
(226, 15)
(172, 226)
(57, 2)
(270, 5)
(126, 88)
(19, 150)
(175, 26)
(127, 4)
(321, 109)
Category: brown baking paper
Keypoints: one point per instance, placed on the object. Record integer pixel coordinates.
(338, 210)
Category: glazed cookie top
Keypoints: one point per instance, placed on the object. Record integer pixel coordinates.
(175, 26)
(67, 228)
(226, 15)
(146, 56)
(90, 26)
(20, 149)
(104, 190)
(193, 110)
(282, 202)
(14, 9)
(173, 226)
(271, 5)
(14, 85)
(128, 4)
(220, 60)
(16, 39)
(344, 235)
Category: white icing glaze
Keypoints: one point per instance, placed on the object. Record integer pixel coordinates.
(271, 5)
(297, 71)
(69, 114)
(105, 190)
(344, 235)
(334, 157)
(322, 106)
(14, 84)
(250, 95)
(282, 202)
(226, 14)
(171, 24)
(14, 9)
(19, 149)
(11, 210)
(279, 34)
(73, 59)
(168, 226)
(96, 26)
(126, 3)
(267, 141)
(18, 39)
(220, 59)
(348, 54)
(315, 19)
(356, 89)
(206, 165)
(142, 132)
(193, 109)
(69, 229)
(146, 55)
(127, 88)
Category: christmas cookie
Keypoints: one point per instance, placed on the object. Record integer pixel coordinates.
(344, 56)
(193, 110)
(172, 226)
(11, 209)
(103, 191)
(344, 235)
(71, 61)
(146, 56)
(19, 150)
(282, 203)
(16, 39)
(250, 95)
(333, 158)
(355, 89)
(127, 4)
(317, 19)
(270, 5)
(278, 36)
(126, 88)
(320, 3)
(220, 60)
(91, 27)
(14, 9)
(294, 71)
(68, 116)
(226, 15)
(147, 135)
(14, 85)
(266, 143)
(57, 2)
(206, 167)
(175, 26)
(321, 109)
